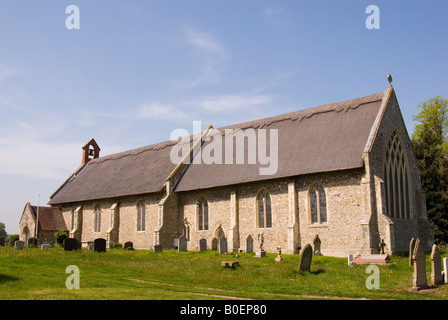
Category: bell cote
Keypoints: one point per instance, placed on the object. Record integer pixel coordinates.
(90, 151)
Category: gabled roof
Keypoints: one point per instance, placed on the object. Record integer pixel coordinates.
(50, 218)
(321, 139)
(326, 138)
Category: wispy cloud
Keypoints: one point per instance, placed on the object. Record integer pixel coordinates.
(226, 103)
(158, 111)
(204, 41)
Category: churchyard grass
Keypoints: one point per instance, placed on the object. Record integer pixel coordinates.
(32, 273)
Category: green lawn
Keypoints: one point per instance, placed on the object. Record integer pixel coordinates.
(118, 274)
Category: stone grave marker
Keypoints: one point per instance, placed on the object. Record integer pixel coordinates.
(182, 243)
(99, 245)
(371, 259)
(411, 250)
(158, 248)
(222, 245)
(419, 276)
(19, 244)
(305, 258)
(129, 245)
(249, 244)
(436, 269)
(2, 241)
(90, 246)
(317, 243)
(45, 246)
(351, 261)
(445, 269)
(203, 245)
(70, 244)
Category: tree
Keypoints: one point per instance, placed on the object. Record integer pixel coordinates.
(430, 143)
(3, 230)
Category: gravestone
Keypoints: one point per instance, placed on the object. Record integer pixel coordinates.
(411, 250)
(351, 261)
(176, 243)
(129, 245)
(203, 245)
(445, 269)
(158, 248)
(182, 243)
(305, 258)
(371, 259)
(436, 269)
(2, 241)
(260, 253)
(381, 246)
(45, 246)
(19, 244)
(317, 243)
(419, 276)
(215, 244)
(222, 245)
(279, 255)
(90, 246)
(99, 245)
(249, 244)
(70, 244)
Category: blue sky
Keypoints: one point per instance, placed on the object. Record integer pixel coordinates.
(137, 70)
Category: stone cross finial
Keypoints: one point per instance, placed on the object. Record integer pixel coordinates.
(389, 78)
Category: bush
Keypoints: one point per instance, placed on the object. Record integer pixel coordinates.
(60, 236)
(12, 238)
(117, 245)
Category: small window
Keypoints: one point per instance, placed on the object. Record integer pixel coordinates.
(141, 216)
(264, 213)
(202, 213)
(318, 204)
(97, 224)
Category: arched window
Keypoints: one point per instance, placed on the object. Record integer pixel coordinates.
(396, 179)
(97, 223)
(264, 213)
(202, 207)
(141, 216)
(318, 203)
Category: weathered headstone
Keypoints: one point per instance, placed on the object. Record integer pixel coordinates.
(90, 246)
(419, 276)
(436, 269)
(19, 244)
(351, 261)
(182, 243)
(411, 250)
(70, 244)
(445, 269)
(230, 264)
(305, 258)
(2, 241)
(129, 245)
(99, 245)
(45, 246)
(158, 248)
(222, 245)
(249, 244)
(260, 254)
(203, 245)
(317, 243)
(381, 245)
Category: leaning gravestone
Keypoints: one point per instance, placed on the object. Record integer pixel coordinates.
(99, 245)
(70, 244)
(249, 244)
(411, 250)
(19, 244)
(305, 258)
(128, 245)
(222, 246)
(436, 273)
(419, 276)
(182, 243)
(203, 245)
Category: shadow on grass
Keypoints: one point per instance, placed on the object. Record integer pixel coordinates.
(5, 278)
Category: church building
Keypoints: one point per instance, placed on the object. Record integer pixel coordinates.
(344, 171)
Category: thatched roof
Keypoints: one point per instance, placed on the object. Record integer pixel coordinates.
(326, 138)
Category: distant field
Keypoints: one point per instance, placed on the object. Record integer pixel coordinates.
(121, 275)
